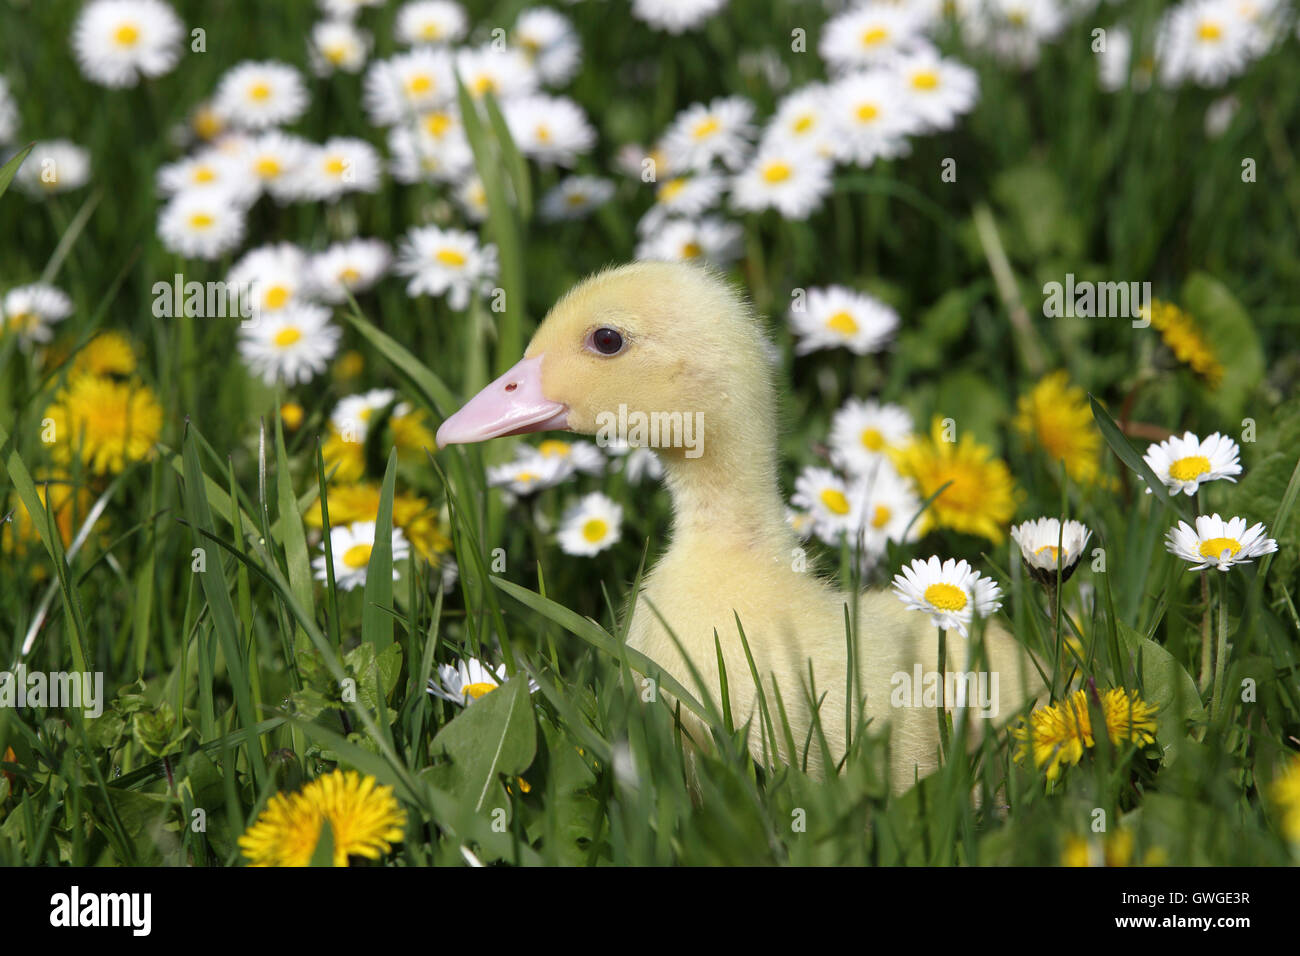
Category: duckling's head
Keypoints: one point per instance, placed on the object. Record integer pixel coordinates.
(648, 339)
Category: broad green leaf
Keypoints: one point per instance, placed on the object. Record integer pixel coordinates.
(494, 735)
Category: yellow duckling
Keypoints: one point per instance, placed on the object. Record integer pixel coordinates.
(673, 346)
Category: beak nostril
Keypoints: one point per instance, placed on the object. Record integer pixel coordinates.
(512, 386)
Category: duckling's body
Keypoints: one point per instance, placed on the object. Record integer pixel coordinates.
(689, 344)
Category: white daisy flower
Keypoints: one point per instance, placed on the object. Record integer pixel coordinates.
(28, 311)
(467, 681)
(800, 522)
(935, 90)
(1184, 464)
(255, 95)
(833, 506)
(352, 266)
(802, 119)
(1043, 545)
(889, 504)
(864, 431)
(636, 463)
(789, 179)
(503, 73)
(686, 195)
(869, 35)
(701, 134)
(1219, 116)
(201, 224)
(1215, 543)
(1203, 41)
(528, 473)
(1113, 61)
(292, 345)
(352, 545)
(590, 526)
(1014, 29)
(471, 196)
(433, 149)
(577, 456)
(710, 239)
(871, 117)
(675, 16)
(341, 165)
(210, 169)
(275, 162)
(549, 41)
(8, 113)
(446, 261)
(338, 45)
(275, 276)
(574, 197)
(951, 592)
(54, 166)
(400, 88)
(119, 41)
(549, 129)
(430, 22)
(839, 317)
(352, 415)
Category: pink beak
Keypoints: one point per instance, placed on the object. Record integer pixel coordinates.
(512, 405)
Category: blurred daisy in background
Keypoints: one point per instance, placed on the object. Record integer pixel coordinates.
(575, 456)
(408, 84)
(871, 118)
(255, 95)
(53, 166)
(633, 463)
(471, 197)
(352, 545)
(1204, 42)
(549, 129)
(430, 22)
(1044, 546)
(675, 16)
(711, 239)
(341, 165)
(839, 317)
(528, 473)
(590, 526)
(29, 311)
(1184, 464)
(832, 506)
(8, 113)
(352, 415)
(1014, 30)
(864, 431)
(119, 41)
(446, 262)
(802, 119)
(789, 179)
(352, 266)
(935, 90)
(209, 169)
(950, 592)
(274, 275)
(1216, 543)
(431, 149)
(720, 131)
(550, 43)
(505, 73)
(338, 45)
(889, 507)
(869, 34)
(274, 161)
(574, 197)
(685, 195)
(292, 345)
(346, 9)
(201, 224)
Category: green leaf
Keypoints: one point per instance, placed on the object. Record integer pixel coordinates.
(376, 621)
(432, 389)
(1230, 331)
(495, 735)
(323, 855)
(8, 170)
(1129, 456)
(1165, 684)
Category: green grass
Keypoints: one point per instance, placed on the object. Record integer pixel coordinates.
(225, 684)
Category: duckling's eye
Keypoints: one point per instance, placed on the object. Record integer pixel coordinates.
(607, 341)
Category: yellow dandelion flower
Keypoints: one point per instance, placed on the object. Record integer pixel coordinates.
(106, 423)
(291, 413)
(1115, 850)
(365, 820)
(1058, 734)
(411, 513)
(1286, 793)
(345, 461)
(1056, 415)
(1185, 340)
(109, 353)
(411, 435)
(981, 497)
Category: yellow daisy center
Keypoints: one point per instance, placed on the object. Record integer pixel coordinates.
(874, 36)
(881, 516)
(844, 324)
(691, 250)
(477, 690)
(1189, 468)
(595, 529)
(1209, 31)
(554, 447)
(277, 297)
(451, 257)
(201, 220)
(706, 127)
(287, 337)
(336, 53)
(335, 165)
(419, 84)
(357, 556)
(669, 190)
(430, 31)
(525, 477)
(1213, 547)
(128, 34)
(204, 174)
(23, 321)
(259, 92)
(543, 133)
(268, 167)
(945, 596)
(484, 84)
(871, 437)
(925, 80)
(437, 124)
(835, 501)
(1054, 551)
(867, 112)
(776, 172)
(349, 275)
(803, 123)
